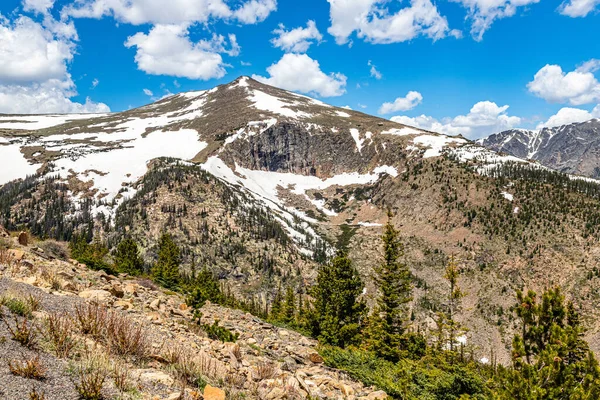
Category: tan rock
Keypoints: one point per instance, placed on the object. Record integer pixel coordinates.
(213, 393)
(175, 396)
(183, 307)
(130, 289)
(99, 295)
(378, 395)
(153, 376)
(16, 254)
(116, 290)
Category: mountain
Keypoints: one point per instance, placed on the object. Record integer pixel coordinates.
(261, 185)
(573, 148)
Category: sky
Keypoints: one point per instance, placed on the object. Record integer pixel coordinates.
(470, 67)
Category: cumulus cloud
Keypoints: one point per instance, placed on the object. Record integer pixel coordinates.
(255, 11)
(168, 50)
(301, 73)
(577, 87)
(374, 22)
(34, 76)
(483, 119)
(578, 8)
(40, 6)
(52, 96)
(373, 71)
(568, 115)
(297, 40)
(138, 12)
(408, 102)
(483, 13)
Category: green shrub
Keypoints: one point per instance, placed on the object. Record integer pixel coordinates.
(221, 333)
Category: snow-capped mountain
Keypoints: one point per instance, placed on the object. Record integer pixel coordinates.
(261, 184)
(573, 148)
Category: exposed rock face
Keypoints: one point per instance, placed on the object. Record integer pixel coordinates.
(23, 238)
(573, 149)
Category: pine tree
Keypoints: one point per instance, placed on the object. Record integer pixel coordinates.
(448, 328)
(550, 358)
(166, 270)
(289, 306)
(337, 311)
(387, 323)
(127, 257)
(276, 309)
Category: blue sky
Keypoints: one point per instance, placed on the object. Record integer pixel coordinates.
(452, 66)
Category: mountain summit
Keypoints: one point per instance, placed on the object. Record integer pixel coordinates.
(573, 148)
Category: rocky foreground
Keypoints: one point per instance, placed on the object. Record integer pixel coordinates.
(173, 358)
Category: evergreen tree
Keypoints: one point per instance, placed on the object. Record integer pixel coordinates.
(337, 310)
(387, 323)
(275, 313)
(448, 328)
(550, 358)
(166, 270)
(127, 257)
(289, 306)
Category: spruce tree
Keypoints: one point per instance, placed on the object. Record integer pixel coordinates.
(448, 328)
(127, 257)
(387, 323)
(550, 358)
(166, 270)
(337, 311)
(289, 306)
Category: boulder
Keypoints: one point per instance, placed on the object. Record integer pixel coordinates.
(153, 377)
(213, 393)
(98, 295)
(23, 238)
(378, 395)
(316, 358)
(17, 255)
(116, 290)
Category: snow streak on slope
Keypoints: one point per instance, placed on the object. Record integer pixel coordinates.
(13, 164)
(34, 122)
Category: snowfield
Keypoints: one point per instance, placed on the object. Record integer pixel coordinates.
(34, 122)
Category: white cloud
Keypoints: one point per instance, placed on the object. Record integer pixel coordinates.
(375, 23)
(298, 40)
(408, 102)
(347, 107)
(301, 73)
(34, 62)
(483, 119)
(577, 87)
(52, 96)
(138, 12)
(373, 71)
(168, 50)
(41, 6)
(483, 13)
(148, 92)
(568, 115)
(255, 11)
(95, 83)
(578, 8)
(31, 53)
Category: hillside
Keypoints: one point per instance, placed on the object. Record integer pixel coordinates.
(261, 185)
(572, 148)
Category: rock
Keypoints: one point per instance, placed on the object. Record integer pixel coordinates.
(131, 289)
(183, 307)
(116, 290)
(66, 275)
(316, 358)
(153, 377)
(27, 264)
(251, 341)
(175, 396)
(17, 255)
(347, 390)
(155, 304)
(125, 305)
(283, 333)
(3, 232)
(276, 394)
(23, 238)
(213, 393)
(99, 295)
(378, 395)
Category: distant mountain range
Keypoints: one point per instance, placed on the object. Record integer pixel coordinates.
(573, 149)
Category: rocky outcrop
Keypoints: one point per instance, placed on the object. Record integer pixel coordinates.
(266, 362)
(573, 149)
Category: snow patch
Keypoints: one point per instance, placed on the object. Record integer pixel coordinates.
(34, 122)
(264, 101)
(508, 196)
(402, 131)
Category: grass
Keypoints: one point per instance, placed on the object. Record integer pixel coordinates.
(30, 368)
(35, 395)
(58, 331)
(90, 375)
(22, 331)
(124, 337)
(90, 319)
(432, 377)
(21, 305)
